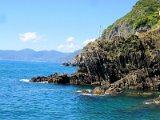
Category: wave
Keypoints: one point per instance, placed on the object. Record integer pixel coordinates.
(148, 102)
(43, 82)
(24, 80)
(79, 91)
(87, 92)
(27, 80)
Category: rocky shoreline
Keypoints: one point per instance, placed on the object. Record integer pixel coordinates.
(132, 63)
(126, 56)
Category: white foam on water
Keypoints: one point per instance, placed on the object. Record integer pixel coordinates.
(87, 94)
(78, 91)
(149, 102)
(24, 80)
(43, 82)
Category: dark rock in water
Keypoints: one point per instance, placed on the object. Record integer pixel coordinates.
(66, 64)
(58, 78)
(55, 78)
(69, 64)
(39, 79)
(80, 79)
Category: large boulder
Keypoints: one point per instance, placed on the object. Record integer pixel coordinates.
(99, 91)
(55, 78)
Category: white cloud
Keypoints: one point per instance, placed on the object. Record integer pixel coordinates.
(87, 41)
(71, 47)
(70, 39)
(29, 37)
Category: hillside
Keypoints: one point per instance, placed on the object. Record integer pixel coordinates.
(41, 56)
(143, 16)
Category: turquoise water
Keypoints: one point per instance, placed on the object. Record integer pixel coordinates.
(21, 100)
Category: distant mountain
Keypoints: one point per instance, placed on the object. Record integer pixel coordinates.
(43, 56)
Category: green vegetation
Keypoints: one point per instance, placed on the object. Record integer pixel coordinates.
(144, 14)
(147, 13)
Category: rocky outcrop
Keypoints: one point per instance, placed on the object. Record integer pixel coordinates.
(103, 90)
(132, 63)
(138, 79)
(68, 64)
(75, 79)
(55, 78)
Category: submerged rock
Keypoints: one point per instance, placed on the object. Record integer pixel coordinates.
(153, 101)
(105, 90)
(66, 64)
(99, 91)
(69, 64)
(144, 94)
(113, 91)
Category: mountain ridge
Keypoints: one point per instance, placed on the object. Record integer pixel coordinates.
(39, 56)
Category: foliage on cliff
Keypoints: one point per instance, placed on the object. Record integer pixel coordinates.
(143, 16)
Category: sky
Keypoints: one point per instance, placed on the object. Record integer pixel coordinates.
(62, 25)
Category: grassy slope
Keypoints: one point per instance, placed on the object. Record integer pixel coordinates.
(144, 13)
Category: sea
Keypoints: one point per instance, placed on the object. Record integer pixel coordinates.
(23, 100)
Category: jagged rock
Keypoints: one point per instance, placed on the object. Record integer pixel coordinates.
(38, 79)
(113, 91)
(69, 64)
(55, 78)
(103, 90)
(80, 79)
(66, 64)
(99, 91)
(134, 61)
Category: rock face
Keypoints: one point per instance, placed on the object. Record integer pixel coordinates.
(132, 63)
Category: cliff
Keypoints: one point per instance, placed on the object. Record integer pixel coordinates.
(127, 51)
(127, 55)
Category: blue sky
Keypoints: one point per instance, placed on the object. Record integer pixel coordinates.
(63, 25)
